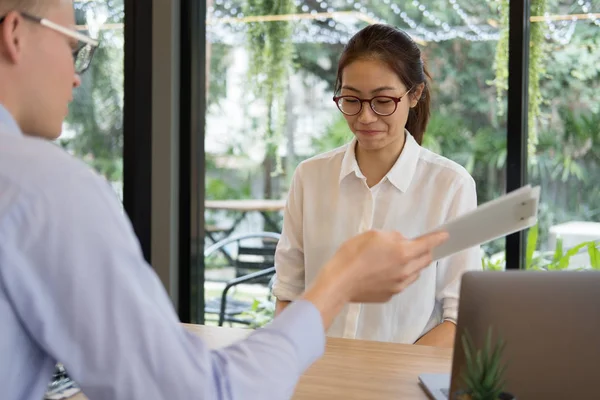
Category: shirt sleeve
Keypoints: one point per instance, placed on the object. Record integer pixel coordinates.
(75, 275)
(289, 257)
(450, 269)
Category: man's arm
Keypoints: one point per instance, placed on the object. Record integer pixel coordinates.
(75, 274)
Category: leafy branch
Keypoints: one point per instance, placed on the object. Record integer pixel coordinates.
(271, 54)
(537, 55)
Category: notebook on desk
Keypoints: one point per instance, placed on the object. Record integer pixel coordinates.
(437, 386)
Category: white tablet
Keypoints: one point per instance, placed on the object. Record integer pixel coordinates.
(510, 213)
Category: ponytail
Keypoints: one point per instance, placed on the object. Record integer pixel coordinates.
(418, 116)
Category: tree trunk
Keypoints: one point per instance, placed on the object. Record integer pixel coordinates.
(268, 165)
(270, 151)
(290, 129)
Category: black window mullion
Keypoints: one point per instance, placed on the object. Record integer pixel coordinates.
(517, 134)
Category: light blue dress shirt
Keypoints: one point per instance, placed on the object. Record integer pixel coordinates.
(74, 288)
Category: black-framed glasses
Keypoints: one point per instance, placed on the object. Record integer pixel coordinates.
(82, 54)
(381, 105)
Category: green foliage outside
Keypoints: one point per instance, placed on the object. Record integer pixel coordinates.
(261, 313)
(557, 260)
(271, 54)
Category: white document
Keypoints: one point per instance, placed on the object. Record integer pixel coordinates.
(510, 213)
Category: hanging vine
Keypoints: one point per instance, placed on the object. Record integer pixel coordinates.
(501, 59)
(537, 53)
(271, 54)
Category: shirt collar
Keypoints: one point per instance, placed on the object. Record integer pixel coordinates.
(8, 125)
(400, 175)
(349, 163)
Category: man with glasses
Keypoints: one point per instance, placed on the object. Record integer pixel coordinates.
(45, 62)
(74, 286)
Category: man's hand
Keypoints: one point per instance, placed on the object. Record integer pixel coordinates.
(370, 267)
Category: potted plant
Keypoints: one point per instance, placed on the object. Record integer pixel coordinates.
(483, 376)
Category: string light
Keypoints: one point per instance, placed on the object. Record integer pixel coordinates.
(344, 28)
(586, 7)
(448, 32)
(562, 36)
(435, 36)
(420, 34)
(305, 31)
(474, 28)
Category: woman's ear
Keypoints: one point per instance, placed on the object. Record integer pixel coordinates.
(415, 94)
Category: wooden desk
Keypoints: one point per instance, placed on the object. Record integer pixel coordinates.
(353, 369)
(356, 369)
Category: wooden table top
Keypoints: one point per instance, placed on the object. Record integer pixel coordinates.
(356, 369)
(245, 205)
(353, 369)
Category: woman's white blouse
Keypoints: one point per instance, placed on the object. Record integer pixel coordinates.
(329, 202)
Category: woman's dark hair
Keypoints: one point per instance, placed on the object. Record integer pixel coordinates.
(394, 47)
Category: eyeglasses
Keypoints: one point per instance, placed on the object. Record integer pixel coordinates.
(82, 55)
(381, 105)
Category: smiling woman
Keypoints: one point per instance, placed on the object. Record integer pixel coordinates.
(383, 179)
(400, 56)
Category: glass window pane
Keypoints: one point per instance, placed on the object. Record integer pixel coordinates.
(271, 81)
(564, 133)
(93, 130)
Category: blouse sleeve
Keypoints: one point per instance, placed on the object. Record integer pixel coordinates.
(450, 269)
(289, 257)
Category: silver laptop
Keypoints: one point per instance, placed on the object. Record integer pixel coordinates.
(550, 322)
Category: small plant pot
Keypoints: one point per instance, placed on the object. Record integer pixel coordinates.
(506, 396)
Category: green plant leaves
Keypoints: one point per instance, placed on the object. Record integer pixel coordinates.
(558, 252)
(558, 260)
(594, 254)
(261, 313)
(483, 374)
(532, 238)
(271, 53)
